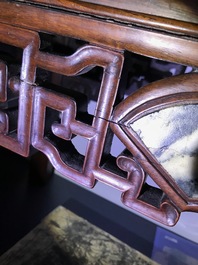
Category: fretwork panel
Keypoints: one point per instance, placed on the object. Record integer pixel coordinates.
(16, 94)
(35, 114)
(68, 126)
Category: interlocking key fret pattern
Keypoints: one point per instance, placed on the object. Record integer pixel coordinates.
(33, 115)
(81, 61)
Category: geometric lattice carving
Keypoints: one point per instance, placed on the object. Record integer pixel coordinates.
(13, 111)
(174, 91)
(55, 141)
(48, 121)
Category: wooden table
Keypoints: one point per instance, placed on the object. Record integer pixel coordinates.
(45, 41)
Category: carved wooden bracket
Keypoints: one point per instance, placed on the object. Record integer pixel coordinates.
(166, 94)
(36, 116)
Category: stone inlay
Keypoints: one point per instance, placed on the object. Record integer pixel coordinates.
(171, 135)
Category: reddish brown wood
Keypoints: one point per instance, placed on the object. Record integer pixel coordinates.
(164, 93)
(19, 140)
(118, 36)
(178, 16)
(85, 57)
(48, 120)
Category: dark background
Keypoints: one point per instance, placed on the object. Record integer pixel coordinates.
(24, 201)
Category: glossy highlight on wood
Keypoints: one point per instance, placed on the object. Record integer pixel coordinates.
(46, 118)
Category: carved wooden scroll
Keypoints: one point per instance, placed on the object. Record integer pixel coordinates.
(157, 152)
(40, 117)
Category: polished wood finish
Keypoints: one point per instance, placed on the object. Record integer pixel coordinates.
(152, 43)
(160, 30)
(177, 9)
(176, 16)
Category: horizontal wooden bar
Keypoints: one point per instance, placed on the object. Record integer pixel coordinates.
(104, 33)
(175, 17)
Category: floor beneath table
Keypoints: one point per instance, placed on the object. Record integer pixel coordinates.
(24, 202)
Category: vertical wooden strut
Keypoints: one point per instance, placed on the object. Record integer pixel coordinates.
(84, 58)
(42, 116)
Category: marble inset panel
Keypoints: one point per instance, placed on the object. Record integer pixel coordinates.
(171, 135)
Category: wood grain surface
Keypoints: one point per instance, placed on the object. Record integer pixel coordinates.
(177, 9)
